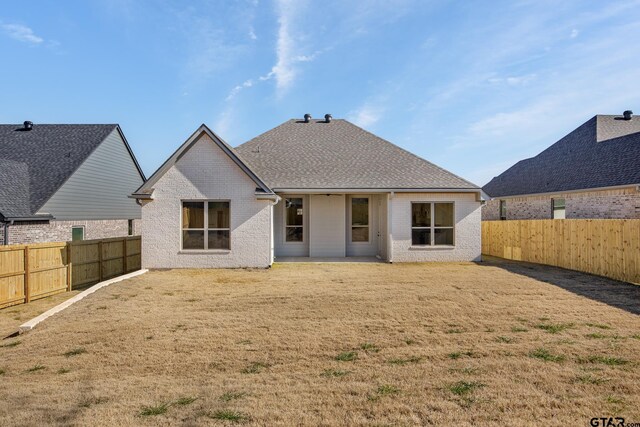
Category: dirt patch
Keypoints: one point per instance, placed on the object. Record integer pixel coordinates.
(333, 344)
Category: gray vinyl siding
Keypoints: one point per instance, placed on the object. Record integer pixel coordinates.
(98, 190)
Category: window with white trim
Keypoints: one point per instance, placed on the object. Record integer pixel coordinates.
(294, 219)
(432, 224)
(206, 225)
(359, 219)
(558, 208)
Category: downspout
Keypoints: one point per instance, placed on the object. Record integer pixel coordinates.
(6, 232)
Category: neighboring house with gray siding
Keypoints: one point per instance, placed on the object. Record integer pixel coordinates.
(593, 172)
(305, 189)
(64, 182)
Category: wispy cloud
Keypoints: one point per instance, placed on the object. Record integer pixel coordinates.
(514, 80)
(22, 33)
(574, 33)
(284, 70)
(367, 115)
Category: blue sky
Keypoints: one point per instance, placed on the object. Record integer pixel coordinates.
(472, 86)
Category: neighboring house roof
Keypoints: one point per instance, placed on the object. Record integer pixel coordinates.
(35, 163)
(145, 191)
(339, 155)
(603, 152)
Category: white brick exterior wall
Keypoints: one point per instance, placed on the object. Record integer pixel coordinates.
(467, 232)
(205, 172)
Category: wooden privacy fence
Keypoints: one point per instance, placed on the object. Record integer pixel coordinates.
(30, 272)
(606, 247)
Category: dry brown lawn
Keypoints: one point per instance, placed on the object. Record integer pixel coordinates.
(495, 343)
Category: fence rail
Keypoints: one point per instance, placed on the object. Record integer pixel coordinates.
(605, 247)
(30, 272)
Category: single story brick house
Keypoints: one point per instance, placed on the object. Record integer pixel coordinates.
(307, 188)
(61, 182)
(593, 172)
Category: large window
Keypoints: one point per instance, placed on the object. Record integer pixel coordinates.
(360, 219)
(206, 225)
(294, 219)
(432, 224)
(558, 208)
(503, 209)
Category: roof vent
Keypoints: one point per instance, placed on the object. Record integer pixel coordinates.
(307, 118)
(28, 125)
(327, 118)
(627, 114)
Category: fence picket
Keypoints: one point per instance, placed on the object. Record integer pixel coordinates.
(606, 247)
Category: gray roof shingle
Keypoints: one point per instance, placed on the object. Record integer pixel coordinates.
(603, 152)
(34, 164)
(339, 155)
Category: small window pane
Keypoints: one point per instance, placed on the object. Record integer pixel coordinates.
(421, 237)
(359, 234)
(443, 236)
(294, 211)
(421, 215)
(360, 211)
(219, 239)
(503, 209)
(218, 214)
(443, 215)
(77, 233)
(192, 214)
(193, 239)
(294, 234)
(130, 227)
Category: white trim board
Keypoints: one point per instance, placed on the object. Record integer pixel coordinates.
(25, 327)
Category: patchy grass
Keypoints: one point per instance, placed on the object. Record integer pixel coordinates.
(458, 354)
(152, 411)
(595, 336)
(232, 395)
(255, 368)
(284, 327)
(228, 415)
(546, 355)
(346, 356)
(413, 359)
(75, 352)
(590, 379)
(598, 325)
(554, 328)
(36, 368)
(87, 403)
(604, 360)
(185, 400)
(369, 347)
(11, 344)
(334, 373)
(503, 339)
(2, 371)
(462, 388)
(387, 390)
(63, 371)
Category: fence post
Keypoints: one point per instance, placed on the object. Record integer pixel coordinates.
(124, 255)
(100, 261)
(27, 291)
(69, 268)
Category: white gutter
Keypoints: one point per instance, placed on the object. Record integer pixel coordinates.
(555, 193)
(374, 190)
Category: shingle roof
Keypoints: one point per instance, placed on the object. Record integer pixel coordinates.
(603, 152)
(339, 155)
(34, 164)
